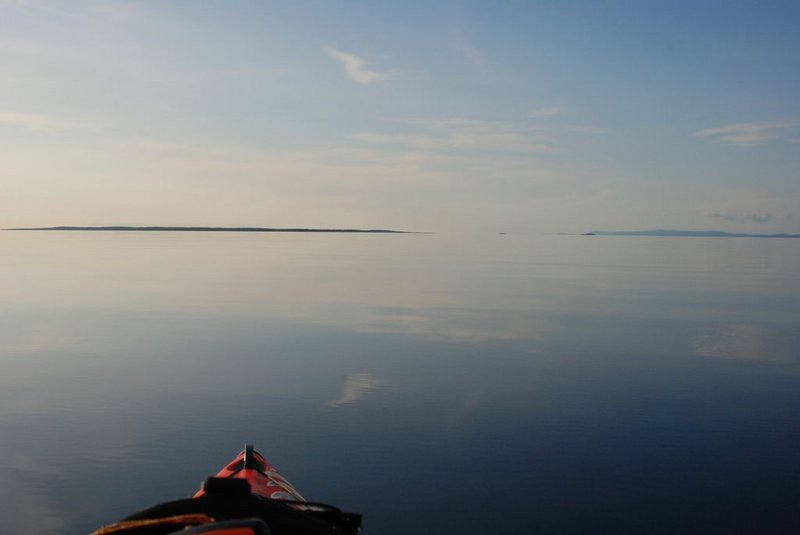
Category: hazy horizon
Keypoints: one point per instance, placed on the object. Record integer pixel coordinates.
(707, 233)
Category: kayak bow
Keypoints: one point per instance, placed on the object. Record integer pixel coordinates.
(264, 480)
(247, 497)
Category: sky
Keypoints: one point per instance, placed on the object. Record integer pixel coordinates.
(441, 116)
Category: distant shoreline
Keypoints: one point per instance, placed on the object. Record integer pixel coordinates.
(213, 229)
(687, 233)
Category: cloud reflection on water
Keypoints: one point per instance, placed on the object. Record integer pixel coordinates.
(356, 387)
(740, 341)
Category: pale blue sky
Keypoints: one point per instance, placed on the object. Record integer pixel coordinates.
(443, 116)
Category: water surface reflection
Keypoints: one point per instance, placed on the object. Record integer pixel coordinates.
(437, 385)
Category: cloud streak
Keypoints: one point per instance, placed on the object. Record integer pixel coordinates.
(746, 134)
(465, 47)
(34, 122)
(357, 69)
(458, 134)
(586, 129)
(753, 217)
(544, 113)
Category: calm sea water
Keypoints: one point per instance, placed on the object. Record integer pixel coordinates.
(434, 383)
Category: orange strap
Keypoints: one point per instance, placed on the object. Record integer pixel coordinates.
(185, 520)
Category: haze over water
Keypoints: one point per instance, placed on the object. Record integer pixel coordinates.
(435, 383)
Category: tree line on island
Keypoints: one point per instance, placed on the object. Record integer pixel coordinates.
(209, 229)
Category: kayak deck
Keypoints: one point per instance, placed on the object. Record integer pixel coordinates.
(263, 478)
(247, 497)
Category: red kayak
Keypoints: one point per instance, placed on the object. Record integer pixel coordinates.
(264, 480)
(247, 497)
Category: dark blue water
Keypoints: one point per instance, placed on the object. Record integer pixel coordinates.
(436, 384)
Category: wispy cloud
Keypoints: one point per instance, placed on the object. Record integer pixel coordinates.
(747, 134)
(584, 129)
(357, 69)
(456, 134)
(752, 217)
(464, 46)
(544, 113)
(34, 122)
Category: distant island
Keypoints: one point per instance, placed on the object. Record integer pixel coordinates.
(688, 233)
(212, 229)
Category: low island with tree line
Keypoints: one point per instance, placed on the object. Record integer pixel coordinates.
(210, 229)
